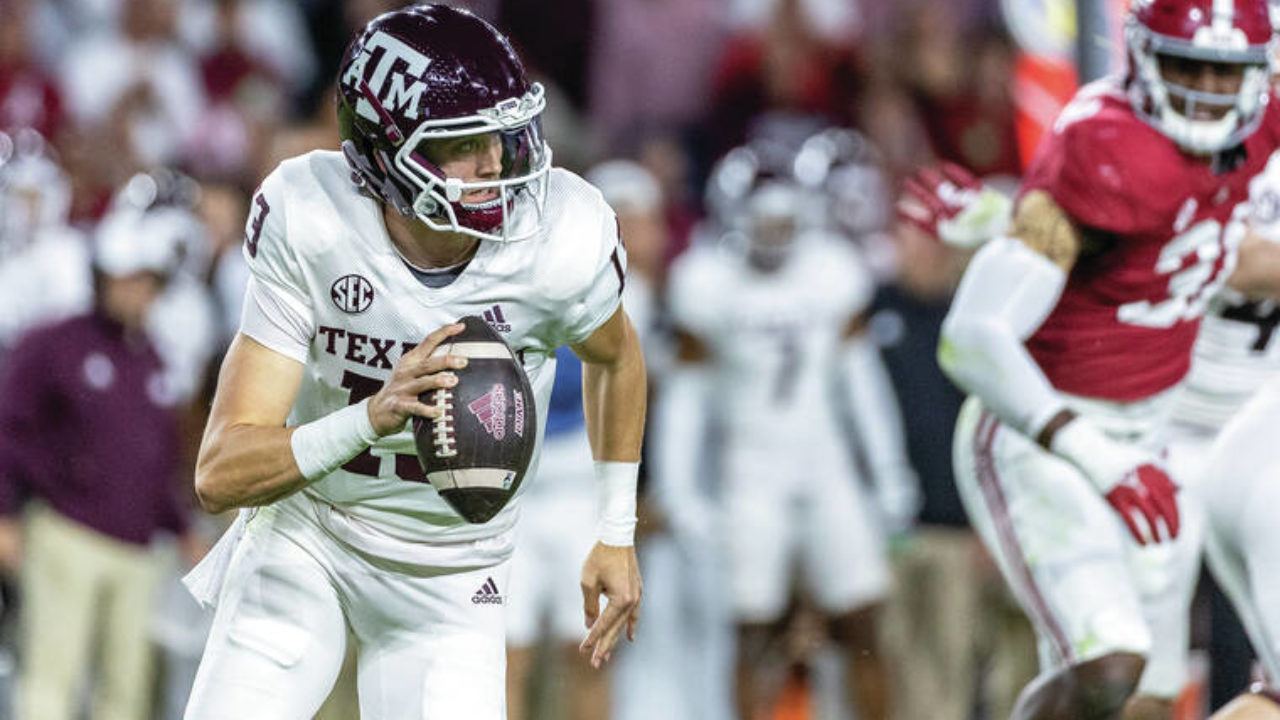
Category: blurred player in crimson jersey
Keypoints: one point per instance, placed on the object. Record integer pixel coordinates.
(1071, 333)
(443, 203)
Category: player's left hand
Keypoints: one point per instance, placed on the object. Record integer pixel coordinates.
(615, 573)
(948, 203)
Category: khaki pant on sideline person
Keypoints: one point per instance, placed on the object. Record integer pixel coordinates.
(82, 591)
(955, 636)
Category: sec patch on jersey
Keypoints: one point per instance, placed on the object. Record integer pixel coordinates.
(476, 452)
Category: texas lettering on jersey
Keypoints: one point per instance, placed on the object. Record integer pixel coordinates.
(363, 349)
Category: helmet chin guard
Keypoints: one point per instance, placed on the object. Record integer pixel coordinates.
(521, 190)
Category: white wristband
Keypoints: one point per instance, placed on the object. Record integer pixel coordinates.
(617, 502)
(320, 446)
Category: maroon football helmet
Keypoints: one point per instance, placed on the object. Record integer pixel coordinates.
(431, 72)
(1234, 32)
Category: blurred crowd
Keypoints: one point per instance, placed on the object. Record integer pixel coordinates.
(134, 134)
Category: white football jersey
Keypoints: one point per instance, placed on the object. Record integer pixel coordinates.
(1236, 350)
(774, 337)
(322, 250)
(44, 282)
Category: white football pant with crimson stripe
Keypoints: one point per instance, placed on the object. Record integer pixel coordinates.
(1085, 583)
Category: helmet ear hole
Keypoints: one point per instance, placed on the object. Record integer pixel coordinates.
(426, 205)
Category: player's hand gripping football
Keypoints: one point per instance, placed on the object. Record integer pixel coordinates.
(948, 203)
(1133, 481)
(416, 372)
(615, 573)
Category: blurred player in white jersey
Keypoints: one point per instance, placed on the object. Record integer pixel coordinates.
(44, 263)
(1241, 487)
(1223, 432)
(183, 323)
(769, 321)
(443, 204)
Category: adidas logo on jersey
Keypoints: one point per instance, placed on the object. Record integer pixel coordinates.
(491, 410)
(494, 317)
(488, 594)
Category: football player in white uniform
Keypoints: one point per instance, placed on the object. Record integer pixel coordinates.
(1242, 489)
(1235, 357)
(44, 263)
(768, 323)
(444, 205)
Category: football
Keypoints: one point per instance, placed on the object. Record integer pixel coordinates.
(476, 452)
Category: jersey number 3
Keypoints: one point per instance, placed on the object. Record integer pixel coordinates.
(260, 210)
(1193, 262)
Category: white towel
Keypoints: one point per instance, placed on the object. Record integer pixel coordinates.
(205, 580)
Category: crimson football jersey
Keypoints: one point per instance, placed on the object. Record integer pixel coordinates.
(1170, 224)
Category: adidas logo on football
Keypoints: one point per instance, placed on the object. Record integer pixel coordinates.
(494, 317)
(491, 410)
(488, 594)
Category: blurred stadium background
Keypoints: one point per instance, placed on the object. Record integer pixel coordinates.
(94, 92)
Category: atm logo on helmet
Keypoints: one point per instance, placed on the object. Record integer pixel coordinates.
(395, 87)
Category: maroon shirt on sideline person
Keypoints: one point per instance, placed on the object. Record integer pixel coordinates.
(86, 426)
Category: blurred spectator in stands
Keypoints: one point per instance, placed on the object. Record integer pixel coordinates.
(223, 209)
(651, 65)
(28, 97)
(88, 435)
(317, 131)
(637, 198)
(891, 122)
(268, 36)
(137, 81)
(962, 86)
(958, 639)
(566, 127)
(664, 157)
(247, 98)
(555, 37)
(795, 56)
(94, 174)
(44, 263)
